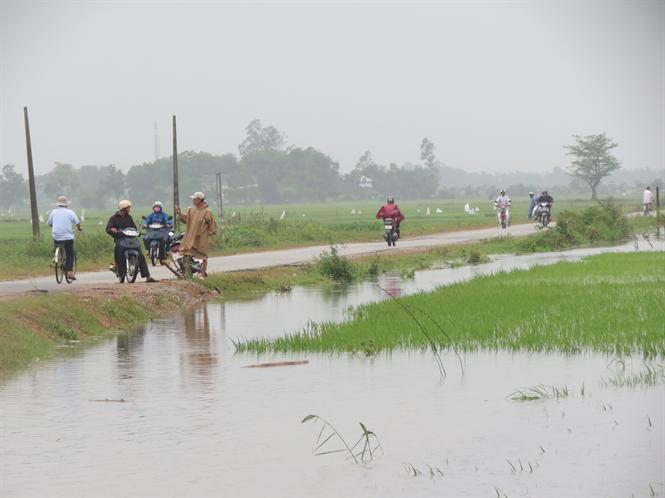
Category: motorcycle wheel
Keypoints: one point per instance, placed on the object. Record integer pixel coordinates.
(503, 223)
(132, 268)
(153, 255)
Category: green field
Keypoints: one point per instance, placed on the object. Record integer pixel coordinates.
(611, 303)
(260, 227)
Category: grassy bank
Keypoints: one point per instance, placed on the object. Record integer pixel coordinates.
(611, 303)
(261, 228)
(33, 327)
(331, 269)
(604, 224)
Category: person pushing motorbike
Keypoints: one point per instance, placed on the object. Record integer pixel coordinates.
(391, 210)
(118, 222)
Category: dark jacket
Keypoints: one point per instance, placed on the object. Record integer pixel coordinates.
(545, 198)
(120, 222)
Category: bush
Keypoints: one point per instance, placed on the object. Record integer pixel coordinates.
(604, 222)
(336, 267)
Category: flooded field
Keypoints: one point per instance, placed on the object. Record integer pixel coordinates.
(169, 410)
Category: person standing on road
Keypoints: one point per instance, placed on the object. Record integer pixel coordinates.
(61, 220)
(201, 228)
(647, 200)
(532, 204)
(118, 222)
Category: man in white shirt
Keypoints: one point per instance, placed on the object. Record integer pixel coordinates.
(647, 199)
(503, 202)
(61, 220)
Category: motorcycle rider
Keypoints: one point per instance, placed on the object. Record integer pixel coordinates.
(544, 197)
(391, 210)
(157, 216)
(118, 222)
(503, 202)
(61, 220)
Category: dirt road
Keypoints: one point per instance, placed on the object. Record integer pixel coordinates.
(283, 257)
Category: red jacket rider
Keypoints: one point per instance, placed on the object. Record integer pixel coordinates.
(391, 210)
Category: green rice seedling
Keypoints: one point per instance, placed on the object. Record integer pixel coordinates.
(413, 470)
(370, 441)
(328, 432)
(540, 392)
(652, 375)
(367, 438)
(610, 303)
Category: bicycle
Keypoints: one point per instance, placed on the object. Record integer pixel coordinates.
(59, 258)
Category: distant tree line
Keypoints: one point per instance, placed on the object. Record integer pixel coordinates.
(268, 170)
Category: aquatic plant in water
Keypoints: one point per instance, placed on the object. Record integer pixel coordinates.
(368, 442)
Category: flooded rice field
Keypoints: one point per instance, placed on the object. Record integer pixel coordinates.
(169, 410)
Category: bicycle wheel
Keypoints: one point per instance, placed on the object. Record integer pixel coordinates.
(70, 280)
(132, 268)
(59, 258)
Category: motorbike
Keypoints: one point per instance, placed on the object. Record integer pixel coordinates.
(389, 231)
(503, 216)
(132, 247)
(175, 262)
(543, 214)
(153, 238)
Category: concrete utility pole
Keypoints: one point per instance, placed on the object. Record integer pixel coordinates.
(220, 197)
(31, 179)
(657, 212)
(176, 196)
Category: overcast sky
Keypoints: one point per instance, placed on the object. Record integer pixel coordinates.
(498, 86)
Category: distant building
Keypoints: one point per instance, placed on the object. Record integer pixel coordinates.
(365, 182)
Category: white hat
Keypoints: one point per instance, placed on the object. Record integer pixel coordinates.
(124, 204)
(62, 201)
(198, 195)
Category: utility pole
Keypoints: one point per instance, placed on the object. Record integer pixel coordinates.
(658, 212)
(176, 197)
(31, 179)
(220, 198)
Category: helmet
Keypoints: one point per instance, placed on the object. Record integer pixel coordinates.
(503, 191)
(157, 203)
(124, 204)
(530, 193)
(390, 199)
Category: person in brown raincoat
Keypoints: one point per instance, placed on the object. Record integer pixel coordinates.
(201, 227)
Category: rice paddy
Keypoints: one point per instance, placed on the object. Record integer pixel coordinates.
(609, 303)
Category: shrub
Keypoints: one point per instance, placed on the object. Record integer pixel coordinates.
(336, 267)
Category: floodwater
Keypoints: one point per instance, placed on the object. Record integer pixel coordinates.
(194, 422)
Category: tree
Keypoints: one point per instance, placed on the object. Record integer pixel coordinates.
(13, 189)
(593, 160)
(111, 184)
(259, 139)
(62, 180)
(427, 152)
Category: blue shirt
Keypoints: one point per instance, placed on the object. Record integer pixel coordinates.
(61, 220)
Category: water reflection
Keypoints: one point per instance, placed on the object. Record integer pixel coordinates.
(199, 356)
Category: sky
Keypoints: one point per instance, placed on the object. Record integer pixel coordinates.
(497, 86)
